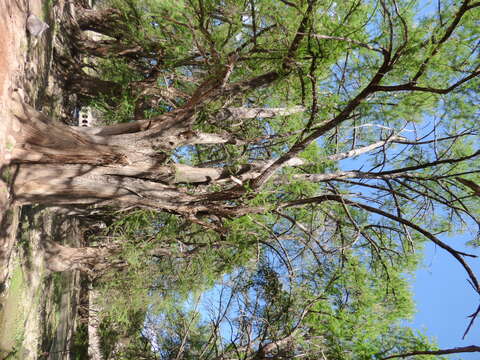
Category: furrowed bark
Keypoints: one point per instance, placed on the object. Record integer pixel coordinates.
(105, 21)
(94, 337)
(78, 167)
(39, 140)
(61, 258)
(88, 86)
(56, 185)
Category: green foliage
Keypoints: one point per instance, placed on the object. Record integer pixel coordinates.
(329, 274)
(80, 342)
(365, 305)
(157, 275)
(120, 109)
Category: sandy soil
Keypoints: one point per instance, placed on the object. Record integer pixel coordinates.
(13, 53)
(13, 49)
(25, 63)
(12, 30)
(43, 305)
(14, 41)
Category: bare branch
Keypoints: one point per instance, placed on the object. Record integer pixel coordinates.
(457, 350)
(351, 41)
(471, 184)
(458, 255)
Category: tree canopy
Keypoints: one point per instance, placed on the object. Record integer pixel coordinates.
(297, 154)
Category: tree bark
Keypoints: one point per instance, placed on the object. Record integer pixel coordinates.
(94, 338)
(61, 258)
(106, 48)
(66, 165)
(90, 87)
(105, 21)
(126, 49)
(122, 166)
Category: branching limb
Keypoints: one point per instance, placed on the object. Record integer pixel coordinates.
(458, 255)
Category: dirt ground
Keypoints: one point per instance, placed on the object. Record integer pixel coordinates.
(16, 50)
(37, 308)
(19, 68)
(12, 34)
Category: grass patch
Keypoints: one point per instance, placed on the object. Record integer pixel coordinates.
(46, 9)
(6, 174)
(12, 316)
(10, 145)
(80, 342)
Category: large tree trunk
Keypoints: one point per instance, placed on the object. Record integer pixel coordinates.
(91, 260)
(118, 166)
(105, 21)
(88, 86)
(124, 165)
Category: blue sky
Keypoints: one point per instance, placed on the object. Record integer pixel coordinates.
(444, 298)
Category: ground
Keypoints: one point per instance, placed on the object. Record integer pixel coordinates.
(37, 308)
(12, 18)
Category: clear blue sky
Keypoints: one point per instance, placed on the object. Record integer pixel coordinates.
(445, 299)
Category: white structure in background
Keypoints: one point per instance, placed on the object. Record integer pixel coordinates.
(90, 117)
(85, 117)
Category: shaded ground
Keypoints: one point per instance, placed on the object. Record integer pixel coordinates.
(12, 18)
(38, 317)
(37, 308)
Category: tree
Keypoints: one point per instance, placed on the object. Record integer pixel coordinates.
(336, 310)
(256, 104)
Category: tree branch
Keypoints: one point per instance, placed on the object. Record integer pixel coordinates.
(457, 350)
(455, 253)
